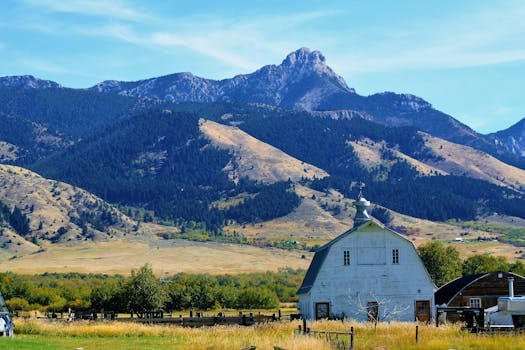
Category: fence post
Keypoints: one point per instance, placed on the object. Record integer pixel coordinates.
(352, 338)
(279, 314)
(417, 333)
(304, 325)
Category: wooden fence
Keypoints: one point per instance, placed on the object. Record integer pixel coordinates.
(202, 320)
(197, 319)
(338, 340)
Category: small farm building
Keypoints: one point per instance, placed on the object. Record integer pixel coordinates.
(479, 290)
(367, 273)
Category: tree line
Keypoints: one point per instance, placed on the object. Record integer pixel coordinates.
(142, 291)
(444, 263)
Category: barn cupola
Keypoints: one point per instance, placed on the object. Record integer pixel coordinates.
(361, 216)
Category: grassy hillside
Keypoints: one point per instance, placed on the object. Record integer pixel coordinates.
(463, 160)
(255, 159)
(58, 211)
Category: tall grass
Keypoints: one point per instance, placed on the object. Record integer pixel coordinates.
(265, 336)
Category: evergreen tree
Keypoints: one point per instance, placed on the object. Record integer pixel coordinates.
(19, 222)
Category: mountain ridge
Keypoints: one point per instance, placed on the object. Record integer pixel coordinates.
(28, 82)
(512, 138)
(303, 81)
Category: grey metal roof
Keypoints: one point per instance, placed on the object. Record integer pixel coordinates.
(319, 258)
(314, 268)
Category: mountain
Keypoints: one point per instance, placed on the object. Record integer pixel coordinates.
(161, 161)
(449, 159)
(204, 153)
(39, 121)
(72, 112)
(24, 141)
(511, 139)
(27, 82)
(302, 80)
(459, 187)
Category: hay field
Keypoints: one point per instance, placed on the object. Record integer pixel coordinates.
(165, 257)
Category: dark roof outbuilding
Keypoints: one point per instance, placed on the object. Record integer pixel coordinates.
(489, 284)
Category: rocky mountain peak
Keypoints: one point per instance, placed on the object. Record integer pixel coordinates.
(304, 56)
(304, 62)
(107, 86)
(28, 82)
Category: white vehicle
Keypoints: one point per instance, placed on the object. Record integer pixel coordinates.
(6, 324)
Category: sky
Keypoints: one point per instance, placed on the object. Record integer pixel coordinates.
(467, 58)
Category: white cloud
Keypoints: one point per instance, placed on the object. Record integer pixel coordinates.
(483, 37)
(240, 44)
(503, 110)
(111, 9)
(44, 66)
(204, 46)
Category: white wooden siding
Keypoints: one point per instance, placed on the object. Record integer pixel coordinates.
(373, 278)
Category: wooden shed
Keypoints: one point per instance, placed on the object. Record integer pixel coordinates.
(479, 290)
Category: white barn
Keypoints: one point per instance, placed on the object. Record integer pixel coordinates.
(367, 273)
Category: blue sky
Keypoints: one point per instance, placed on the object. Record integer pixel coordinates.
(467, 58)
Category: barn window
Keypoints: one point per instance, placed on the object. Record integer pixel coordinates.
(475, 302)
(395, 256)
(346, 257)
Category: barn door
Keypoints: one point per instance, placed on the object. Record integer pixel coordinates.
(423, 310)
(372, 311)
(322, 310)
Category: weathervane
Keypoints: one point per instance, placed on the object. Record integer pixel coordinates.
(360, 185)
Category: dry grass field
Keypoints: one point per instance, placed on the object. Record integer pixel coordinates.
(165, 257)
(37, 334)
